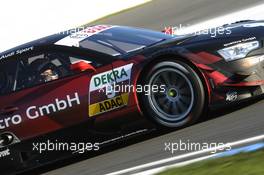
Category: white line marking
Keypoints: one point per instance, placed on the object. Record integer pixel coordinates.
(167, 160)
(164, 168)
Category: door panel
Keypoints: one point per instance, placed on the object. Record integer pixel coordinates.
(48, 107)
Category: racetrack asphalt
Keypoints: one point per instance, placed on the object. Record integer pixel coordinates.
(237, 123)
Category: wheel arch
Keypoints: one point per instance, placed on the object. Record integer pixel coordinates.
(174, 56)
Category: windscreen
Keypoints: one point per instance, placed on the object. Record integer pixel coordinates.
(121, 40)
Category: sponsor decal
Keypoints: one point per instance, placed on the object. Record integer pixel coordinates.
(124, 136)
(108, 105)
(74, 39)
(35, 112)
(5, 153)
(105, 79)
(17, 52)
(100, 85)
(240, 41)
(231, 96)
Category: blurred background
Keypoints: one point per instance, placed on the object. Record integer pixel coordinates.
(22, 21)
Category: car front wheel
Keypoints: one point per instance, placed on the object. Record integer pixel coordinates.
(180, 98)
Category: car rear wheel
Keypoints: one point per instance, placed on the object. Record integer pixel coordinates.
(179, 100)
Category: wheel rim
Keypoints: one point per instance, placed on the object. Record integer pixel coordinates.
(176, 102)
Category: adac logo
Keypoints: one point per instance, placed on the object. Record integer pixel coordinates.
(108, 105)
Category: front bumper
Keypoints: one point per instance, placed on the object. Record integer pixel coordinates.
(236, 80)
(10, 161)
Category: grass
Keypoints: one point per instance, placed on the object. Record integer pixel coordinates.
(240, 164)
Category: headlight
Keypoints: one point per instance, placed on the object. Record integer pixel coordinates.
(238, 51)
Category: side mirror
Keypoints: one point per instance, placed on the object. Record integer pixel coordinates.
(81, 66)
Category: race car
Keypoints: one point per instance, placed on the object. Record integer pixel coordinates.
(100, 84)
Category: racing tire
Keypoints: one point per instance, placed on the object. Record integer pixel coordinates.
(180, 99)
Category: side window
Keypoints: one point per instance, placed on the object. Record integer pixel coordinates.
(7, 76)
(42, 68)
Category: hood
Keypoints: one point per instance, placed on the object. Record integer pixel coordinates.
(241, 30)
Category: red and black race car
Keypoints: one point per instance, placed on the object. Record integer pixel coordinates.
(100, 84)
